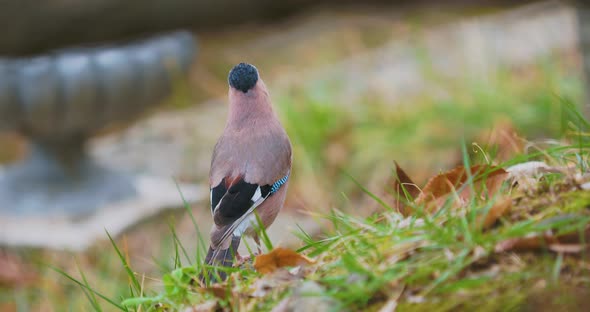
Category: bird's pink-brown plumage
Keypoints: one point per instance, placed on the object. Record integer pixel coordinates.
(254, 143)
(252, 154)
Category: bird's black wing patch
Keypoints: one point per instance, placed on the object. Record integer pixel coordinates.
(228, 205)
(216, 194)
(235, 202)
(265, 189)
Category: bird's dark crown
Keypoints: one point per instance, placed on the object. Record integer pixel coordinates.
(243, 77)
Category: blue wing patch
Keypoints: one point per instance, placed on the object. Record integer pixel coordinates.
(277, 185)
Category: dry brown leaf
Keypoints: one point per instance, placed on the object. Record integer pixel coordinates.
(501, 143)
(451, 180)
(450, 183)
(219, 291)
(524, 243)
(504, 139)
(569, 242)
(403, 185)
(403, 180)
(278, 258)
(567, 248)
(500, 208)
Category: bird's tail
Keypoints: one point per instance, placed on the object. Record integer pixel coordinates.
(221, 258)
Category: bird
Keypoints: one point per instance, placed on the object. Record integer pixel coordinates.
(250, 167)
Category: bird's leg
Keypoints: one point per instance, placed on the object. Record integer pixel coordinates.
(257, 241)
(241, 259)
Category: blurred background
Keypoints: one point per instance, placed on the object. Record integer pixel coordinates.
(358, 85)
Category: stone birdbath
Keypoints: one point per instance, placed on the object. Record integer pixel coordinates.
(58, 196)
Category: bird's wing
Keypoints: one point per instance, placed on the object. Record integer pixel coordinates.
(232, 200)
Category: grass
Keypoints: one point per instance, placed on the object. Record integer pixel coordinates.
(432, 262)
(425, 262)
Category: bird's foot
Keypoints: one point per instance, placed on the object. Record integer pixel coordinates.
(240, 260)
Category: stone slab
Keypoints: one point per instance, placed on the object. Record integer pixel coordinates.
(155, 195)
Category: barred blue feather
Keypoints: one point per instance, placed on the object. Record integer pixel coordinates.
(277, 185)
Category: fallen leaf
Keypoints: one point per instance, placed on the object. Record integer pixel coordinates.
(403, 181)
(449, 181)
(568, 242)
(500, 208)
(503, 140)
(404, 188)
(567, 248)
(218, 291)
(524, 243)
(278, 258)
(484, 177)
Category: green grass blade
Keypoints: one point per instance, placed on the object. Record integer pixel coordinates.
(366, 191)
(262, 233)
(81, 284)
(134, 282)
(201, 249)
(89, 295)
(177, 243)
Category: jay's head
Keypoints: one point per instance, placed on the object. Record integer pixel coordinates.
(243, 77)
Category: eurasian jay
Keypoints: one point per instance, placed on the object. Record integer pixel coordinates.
(250, 167)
